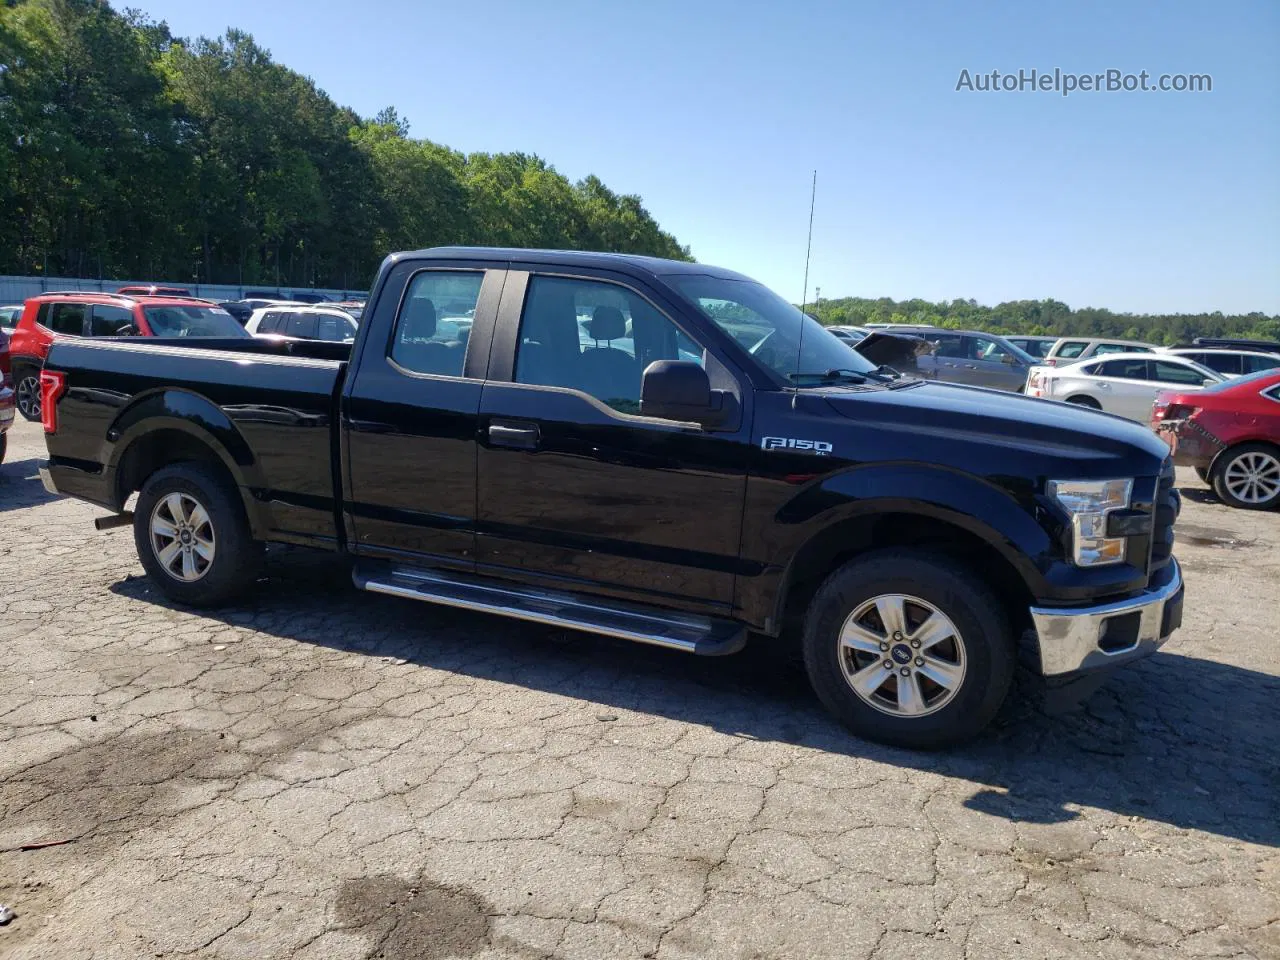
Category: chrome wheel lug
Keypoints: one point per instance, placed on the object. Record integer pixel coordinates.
(888, 664)
(884, 647)
(916, 644)
(897, 634)
(905, 671)
(919, 661)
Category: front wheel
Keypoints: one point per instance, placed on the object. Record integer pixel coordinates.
(192, 537)
(908, 648)
(1249, 477)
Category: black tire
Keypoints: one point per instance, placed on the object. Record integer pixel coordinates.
(236, 556)
(1260, 452)
(1203, 474)
(26, 389)
(4, 445)
(1080, 400)
(989, 650)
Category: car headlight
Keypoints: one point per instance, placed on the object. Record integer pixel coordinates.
(1088, 502)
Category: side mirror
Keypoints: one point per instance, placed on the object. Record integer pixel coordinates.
(680, 390)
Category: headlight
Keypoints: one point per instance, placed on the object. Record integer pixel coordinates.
(1088, 502)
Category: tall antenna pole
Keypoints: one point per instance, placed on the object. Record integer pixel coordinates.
(813, 196)
(804, 295)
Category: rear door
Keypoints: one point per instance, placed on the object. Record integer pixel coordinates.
(301, 326)
(952, 361)
(996, 366)
(574, 487)
(1125, 388)
(410, 413)
(107, 320)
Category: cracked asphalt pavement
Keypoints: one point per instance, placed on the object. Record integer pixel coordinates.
(321, 773)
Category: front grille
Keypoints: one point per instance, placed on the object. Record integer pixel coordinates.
(1166, 505)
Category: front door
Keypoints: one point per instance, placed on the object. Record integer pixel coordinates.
(574, 487)
(410, 414)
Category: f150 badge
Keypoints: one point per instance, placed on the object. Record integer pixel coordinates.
(819, 447)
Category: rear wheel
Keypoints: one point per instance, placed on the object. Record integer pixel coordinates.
(1248, 476)
(27, 391)
(908, 648)
(192, 537)
(1203, 474)
(1080, 400)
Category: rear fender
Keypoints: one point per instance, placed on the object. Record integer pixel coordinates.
(197, 417)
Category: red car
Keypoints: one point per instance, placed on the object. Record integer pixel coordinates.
(1230, 433)
(154, 291)
(6, 394)
(103, 315)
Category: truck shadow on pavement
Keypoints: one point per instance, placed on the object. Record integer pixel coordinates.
(20, 485)
(1188, 742)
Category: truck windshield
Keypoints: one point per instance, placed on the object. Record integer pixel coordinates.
(790, 343)
(193, 321)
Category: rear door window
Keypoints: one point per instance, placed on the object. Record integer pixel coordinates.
(1257, 364)
(951, 345)
(301, 325)
(1222, 362)
(1071, 349)
(1123, 369)
(67, 318)
(434, 325)
(334, 328)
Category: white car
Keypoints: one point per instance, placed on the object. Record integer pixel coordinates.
(1121, 383)
(301, 322)
(1229, 363)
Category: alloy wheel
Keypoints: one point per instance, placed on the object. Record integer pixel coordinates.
(1253, 477)
(182, 537)
(28, 397)
(902, 655)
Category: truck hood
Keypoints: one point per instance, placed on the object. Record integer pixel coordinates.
(976, 417)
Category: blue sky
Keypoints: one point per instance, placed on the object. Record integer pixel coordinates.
(716, 112)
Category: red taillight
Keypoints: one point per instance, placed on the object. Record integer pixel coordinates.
(52, 385)
(1180, 411)
(1050, 362)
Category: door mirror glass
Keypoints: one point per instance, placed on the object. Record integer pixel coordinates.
(676, 390)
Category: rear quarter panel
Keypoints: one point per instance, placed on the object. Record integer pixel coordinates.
(268, 418)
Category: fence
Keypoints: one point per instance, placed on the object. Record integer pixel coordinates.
(17, 289)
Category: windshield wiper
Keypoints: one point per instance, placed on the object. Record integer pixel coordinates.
(830, 376)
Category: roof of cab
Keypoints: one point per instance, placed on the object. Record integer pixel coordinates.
(630, 262)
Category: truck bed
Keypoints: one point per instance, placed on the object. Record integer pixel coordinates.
(267, 409)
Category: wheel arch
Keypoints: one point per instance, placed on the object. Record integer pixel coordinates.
(174, 426)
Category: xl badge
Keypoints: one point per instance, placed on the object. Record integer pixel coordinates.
(819, 447)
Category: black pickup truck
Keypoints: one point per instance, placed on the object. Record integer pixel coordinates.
(666, 452)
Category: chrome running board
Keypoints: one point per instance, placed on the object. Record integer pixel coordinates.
(704, 636)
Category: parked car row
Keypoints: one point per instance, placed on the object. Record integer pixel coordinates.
(74, 313)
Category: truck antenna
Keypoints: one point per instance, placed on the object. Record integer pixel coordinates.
(804, 294)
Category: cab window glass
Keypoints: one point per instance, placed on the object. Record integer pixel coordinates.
(435, 322)
(595, 337)
(1071, 349)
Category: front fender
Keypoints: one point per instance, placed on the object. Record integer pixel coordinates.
(1003, 517)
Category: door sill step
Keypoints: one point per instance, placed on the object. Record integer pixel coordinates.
(704, 636)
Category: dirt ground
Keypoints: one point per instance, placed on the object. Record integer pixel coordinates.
(321, 773)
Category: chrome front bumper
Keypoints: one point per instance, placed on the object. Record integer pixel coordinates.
(1075, 640)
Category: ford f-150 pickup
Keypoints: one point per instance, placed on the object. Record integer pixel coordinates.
(665, 452)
